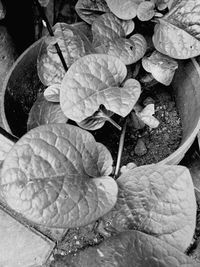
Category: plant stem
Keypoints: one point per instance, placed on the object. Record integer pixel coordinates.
(8, 136)
(195, 188)
(109, 119)
(120, 149)
(114, 123)
(49, 28)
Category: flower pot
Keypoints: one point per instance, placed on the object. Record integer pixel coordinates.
(22, 84)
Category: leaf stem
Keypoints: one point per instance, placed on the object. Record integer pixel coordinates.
(110, 119)
(120, 149)
(49, 28)
(114, 123)
(8, 136)
(195, 188)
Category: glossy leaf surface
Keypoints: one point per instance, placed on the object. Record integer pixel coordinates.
(95, 80)
(57, 176)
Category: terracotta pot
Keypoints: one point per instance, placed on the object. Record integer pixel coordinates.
(21, 86)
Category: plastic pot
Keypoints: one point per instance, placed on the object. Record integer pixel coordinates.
(22, 84)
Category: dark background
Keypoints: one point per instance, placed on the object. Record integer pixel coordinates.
(24, 23)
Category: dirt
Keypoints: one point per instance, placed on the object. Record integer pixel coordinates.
(154, 144)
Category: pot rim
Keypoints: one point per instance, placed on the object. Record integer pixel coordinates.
(171, 159)
(185, 146)
(4, 87)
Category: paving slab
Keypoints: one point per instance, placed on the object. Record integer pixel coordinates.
(55, 234)
(20, 246)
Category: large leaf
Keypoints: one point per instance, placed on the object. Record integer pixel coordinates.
(89, 10)
(45, 112)
(177, 34)
(159, 200)
(73, 44)
(130, 249)
(57, 176)
(160, 66)
(126, 9)
(109, 37)
(94, 80)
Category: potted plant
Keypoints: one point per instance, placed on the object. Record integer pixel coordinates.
(113, 75)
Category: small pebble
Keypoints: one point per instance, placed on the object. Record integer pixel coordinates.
(166, 136)
(140, 148)
(95, 240)
(171, 105)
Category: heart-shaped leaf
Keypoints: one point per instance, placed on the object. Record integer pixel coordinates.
(89, 10)
(94, 80)
(52, 93)
(129, 248)
(126, 9)
(159, 200)
(146, 115)
(73, 44)
(45, 112)
(145, 11)
(160, 66)
(177, 34)
(57, 176)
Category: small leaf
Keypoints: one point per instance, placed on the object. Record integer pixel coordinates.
(92, 81)
(90, 10)
(128, 26)
(177, 34)
(157, 199)
(45, 112)
(96, 121)
(44, 3)
(145, 11)
(135, 122)
(160, 66)
(73, 45)
(52, 93)
(146, 115)
(126, 9)
(163, 4)
(57, 176)
(129, 248)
